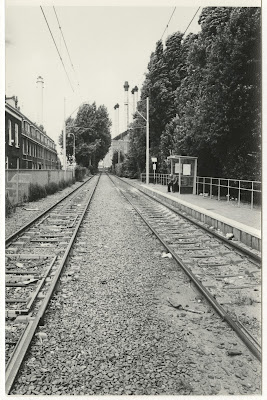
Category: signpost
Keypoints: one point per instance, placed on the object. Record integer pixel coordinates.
(154, 160)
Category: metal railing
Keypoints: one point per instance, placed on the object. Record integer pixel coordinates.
(230, 190)
(240, 191)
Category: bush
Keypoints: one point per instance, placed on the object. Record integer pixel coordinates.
(51, 188)
(36, 192)
(9, 206)
(80, 173)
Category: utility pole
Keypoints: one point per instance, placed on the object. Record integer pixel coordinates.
(147, 140)
(64, 142)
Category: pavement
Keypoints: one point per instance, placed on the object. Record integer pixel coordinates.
(242, 215)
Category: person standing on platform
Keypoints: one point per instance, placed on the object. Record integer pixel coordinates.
(173, 184)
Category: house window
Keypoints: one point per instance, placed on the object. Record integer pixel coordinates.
(26, 127)
(16, 135)
(9, 133)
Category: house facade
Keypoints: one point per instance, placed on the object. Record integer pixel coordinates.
(27, 146)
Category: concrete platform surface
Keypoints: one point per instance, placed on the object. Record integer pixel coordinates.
(243, 214)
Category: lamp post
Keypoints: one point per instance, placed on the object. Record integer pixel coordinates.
(64, 142)
(64, 136)
(147, 138)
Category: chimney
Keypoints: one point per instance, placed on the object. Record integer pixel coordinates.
(118, 120)
(133, 100)
(126, 104)
(136, 97)
(116, 123)
(13, 101)
(40, 86)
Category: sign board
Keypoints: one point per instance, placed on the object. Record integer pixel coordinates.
(187, 169)
(177, 170)
(154, 159)
(154, 166)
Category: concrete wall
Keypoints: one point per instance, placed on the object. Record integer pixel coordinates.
(17, 182)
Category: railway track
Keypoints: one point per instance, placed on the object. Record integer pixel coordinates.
(35, 257)
(227, 275)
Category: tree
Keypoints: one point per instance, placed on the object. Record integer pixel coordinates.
(205, 96)
(219, 99)
(91, 128)
(69, 138)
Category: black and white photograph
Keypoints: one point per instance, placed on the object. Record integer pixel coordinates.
(132, 192)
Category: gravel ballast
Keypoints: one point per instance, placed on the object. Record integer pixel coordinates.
(110, 328)
(29, 210)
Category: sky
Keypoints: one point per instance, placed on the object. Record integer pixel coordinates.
(107, 46)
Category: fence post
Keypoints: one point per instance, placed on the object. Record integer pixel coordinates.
(252, 189)
(197, 184)
(228, 190)
(210, 188)
(219, 189)
(204, 179)
(239, 194)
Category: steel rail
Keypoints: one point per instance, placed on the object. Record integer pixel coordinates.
(35, 219)
(33, 322)
(232, 244)
(247, 339)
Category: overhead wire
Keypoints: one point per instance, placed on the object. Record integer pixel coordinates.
(63, 38)
(186, 27)
(168, 23)
(57, 48)
(191, 20)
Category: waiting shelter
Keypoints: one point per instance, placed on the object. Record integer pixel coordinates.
(185, 167)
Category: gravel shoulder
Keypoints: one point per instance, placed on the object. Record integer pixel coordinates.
(110, 328)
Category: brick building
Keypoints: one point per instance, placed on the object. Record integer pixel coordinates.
(27, 146)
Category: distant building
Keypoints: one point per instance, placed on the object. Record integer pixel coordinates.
(120, 143)
(27, 146)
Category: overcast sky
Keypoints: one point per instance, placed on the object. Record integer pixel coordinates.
(108, 45)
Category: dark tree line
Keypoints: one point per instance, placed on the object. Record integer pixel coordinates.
(205, 97)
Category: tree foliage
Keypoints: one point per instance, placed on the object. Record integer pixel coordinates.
(205, 96)
(91, 128)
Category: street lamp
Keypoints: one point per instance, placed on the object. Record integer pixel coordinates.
(64, 135)
(147, 138)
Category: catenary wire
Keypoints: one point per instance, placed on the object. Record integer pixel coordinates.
(56, 48)
(191, 20)
(186, 27)
(63, 38)
(168, 23)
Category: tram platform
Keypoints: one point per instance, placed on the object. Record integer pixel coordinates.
(243, 222)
